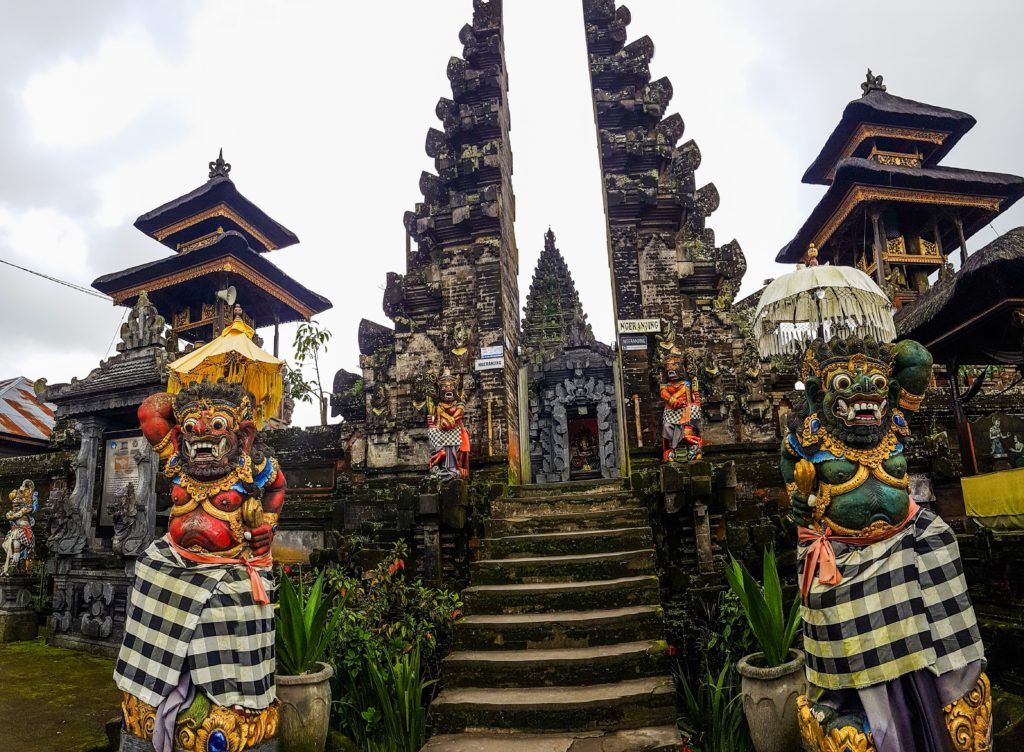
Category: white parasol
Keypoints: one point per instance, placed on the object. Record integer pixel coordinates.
(820, 301)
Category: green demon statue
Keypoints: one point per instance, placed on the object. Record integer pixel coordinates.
(894, 656)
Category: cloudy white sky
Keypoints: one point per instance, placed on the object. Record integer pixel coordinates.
(109, 108)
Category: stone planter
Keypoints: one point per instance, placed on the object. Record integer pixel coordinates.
(305, 707)
(769, 701)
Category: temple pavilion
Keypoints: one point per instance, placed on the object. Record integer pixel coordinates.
(890, 208)
(220, 240)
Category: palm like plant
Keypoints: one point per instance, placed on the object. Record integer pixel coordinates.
(774, 629)
(304, 626)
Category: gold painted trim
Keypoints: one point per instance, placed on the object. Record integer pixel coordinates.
(870, 130)
(219, 210)
(859, 194)
(226, 264)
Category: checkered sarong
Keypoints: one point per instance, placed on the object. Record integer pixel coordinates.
(201, 618)
(902, 606)
(439, 438)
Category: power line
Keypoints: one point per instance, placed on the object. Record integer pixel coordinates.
(73, 286)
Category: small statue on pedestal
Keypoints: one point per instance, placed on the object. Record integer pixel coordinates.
(19, 544)
(681, 419)
(449, 440)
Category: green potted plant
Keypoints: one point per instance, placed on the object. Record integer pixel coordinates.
(772, 679)
(304, 627)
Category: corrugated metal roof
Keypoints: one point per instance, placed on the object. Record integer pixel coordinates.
(22, 415)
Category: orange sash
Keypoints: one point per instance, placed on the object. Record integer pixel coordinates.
(259, 593)
(822, 556)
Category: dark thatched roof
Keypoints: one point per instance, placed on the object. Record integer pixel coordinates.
(218, 189)
(970, 303)
(857, 171)
(881, 108)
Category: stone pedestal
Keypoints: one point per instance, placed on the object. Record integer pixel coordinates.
(90, 601)
(18, 619)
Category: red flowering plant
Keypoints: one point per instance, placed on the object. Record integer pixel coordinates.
(388, 616)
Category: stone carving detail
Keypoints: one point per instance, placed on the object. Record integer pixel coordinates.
(135, 511)
(97, 619)
(74, 520)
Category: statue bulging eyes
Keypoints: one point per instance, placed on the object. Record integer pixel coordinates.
(189, 426)
(842, 382)
(879, 381)
(219, 424)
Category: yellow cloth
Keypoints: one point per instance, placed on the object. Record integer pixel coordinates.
(235, 358)
(996, 500)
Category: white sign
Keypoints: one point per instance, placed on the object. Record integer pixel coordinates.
(495, 351)
(633, 341)
(490, 364)
(639, 326)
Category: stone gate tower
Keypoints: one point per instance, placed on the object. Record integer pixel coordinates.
(458, 301)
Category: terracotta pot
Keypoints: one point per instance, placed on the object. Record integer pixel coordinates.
(769, 701)
(305, 707)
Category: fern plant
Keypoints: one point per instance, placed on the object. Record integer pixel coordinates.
(304, 626)
(773, 628)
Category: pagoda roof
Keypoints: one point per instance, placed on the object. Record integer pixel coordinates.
(215, 205)
(265, 292)
(878, 107)
(972, 316)
(993, 192)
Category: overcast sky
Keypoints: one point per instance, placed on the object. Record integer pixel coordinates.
(108, 109)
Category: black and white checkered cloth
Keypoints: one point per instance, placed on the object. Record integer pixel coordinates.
(902, 606)
(201, 618)
(439, 438)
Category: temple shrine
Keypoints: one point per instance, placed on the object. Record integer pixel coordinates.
(220, 239)
(891, 209)
(587, 500)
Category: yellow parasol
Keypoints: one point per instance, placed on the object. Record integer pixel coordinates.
(233, 357)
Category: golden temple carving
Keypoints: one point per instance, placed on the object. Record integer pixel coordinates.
(895, 158)
(969, 719)
(192, 731)
(212, 267)
(869, 130)
(895, 245)
(859, 194)
(220, 210)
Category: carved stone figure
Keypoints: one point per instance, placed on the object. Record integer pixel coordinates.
(449, 440)
(681, 419)
(894, 656)
(209, 576)
(19, 543)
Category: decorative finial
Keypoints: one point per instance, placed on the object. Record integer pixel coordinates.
(549, 240)
(237, 311)
(812, 255)
(220, 168)
(872, 83)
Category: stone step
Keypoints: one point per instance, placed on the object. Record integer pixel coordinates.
(647, 739)
(543, 597)
(576, 568)
(567, 522)
(528, 490)
(561, 629)
(553, 668)
(621, 705)
(568, 543)
(508, 507)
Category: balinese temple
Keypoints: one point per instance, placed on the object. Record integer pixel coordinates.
(568, 379)
(891, 208)
(219, 240)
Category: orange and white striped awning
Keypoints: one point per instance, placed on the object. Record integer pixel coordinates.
(23, 417)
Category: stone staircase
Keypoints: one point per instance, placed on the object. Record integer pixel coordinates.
(562, 646)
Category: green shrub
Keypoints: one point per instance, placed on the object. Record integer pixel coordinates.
(390, 626)
(774, 629)
(713, 718)
(304, 625)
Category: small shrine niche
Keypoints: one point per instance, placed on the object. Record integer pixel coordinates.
(572, 410)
